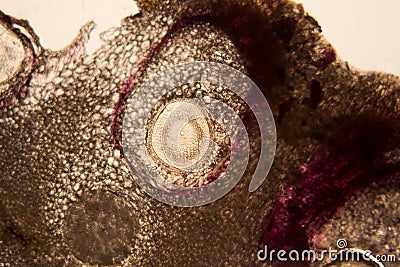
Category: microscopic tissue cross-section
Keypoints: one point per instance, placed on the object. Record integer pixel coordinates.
(200, 133)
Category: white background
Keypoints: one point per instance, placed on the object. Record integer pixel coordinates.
(364, 32)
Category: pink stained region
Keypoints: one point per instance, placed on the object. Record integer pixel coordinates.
(327, 58)
(126, 89)
(242, 23)
(21, 79)
(350, 162)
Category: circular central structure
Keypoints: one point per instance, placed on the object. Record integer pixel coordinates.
(190, 133)
(183, 136)
(183, 144)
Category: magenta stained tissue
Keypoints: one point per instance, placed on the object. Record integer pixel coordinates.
(17, 65)
(69, 197)
(350, 161)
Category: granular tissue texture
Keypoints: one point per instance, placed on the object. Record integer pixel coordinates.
(68, 197)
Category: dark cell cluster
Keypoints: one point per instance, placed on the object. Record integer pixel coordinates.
(67, 196)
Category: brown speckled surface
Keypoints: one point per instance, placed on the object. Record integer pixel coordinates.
(67, 198)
